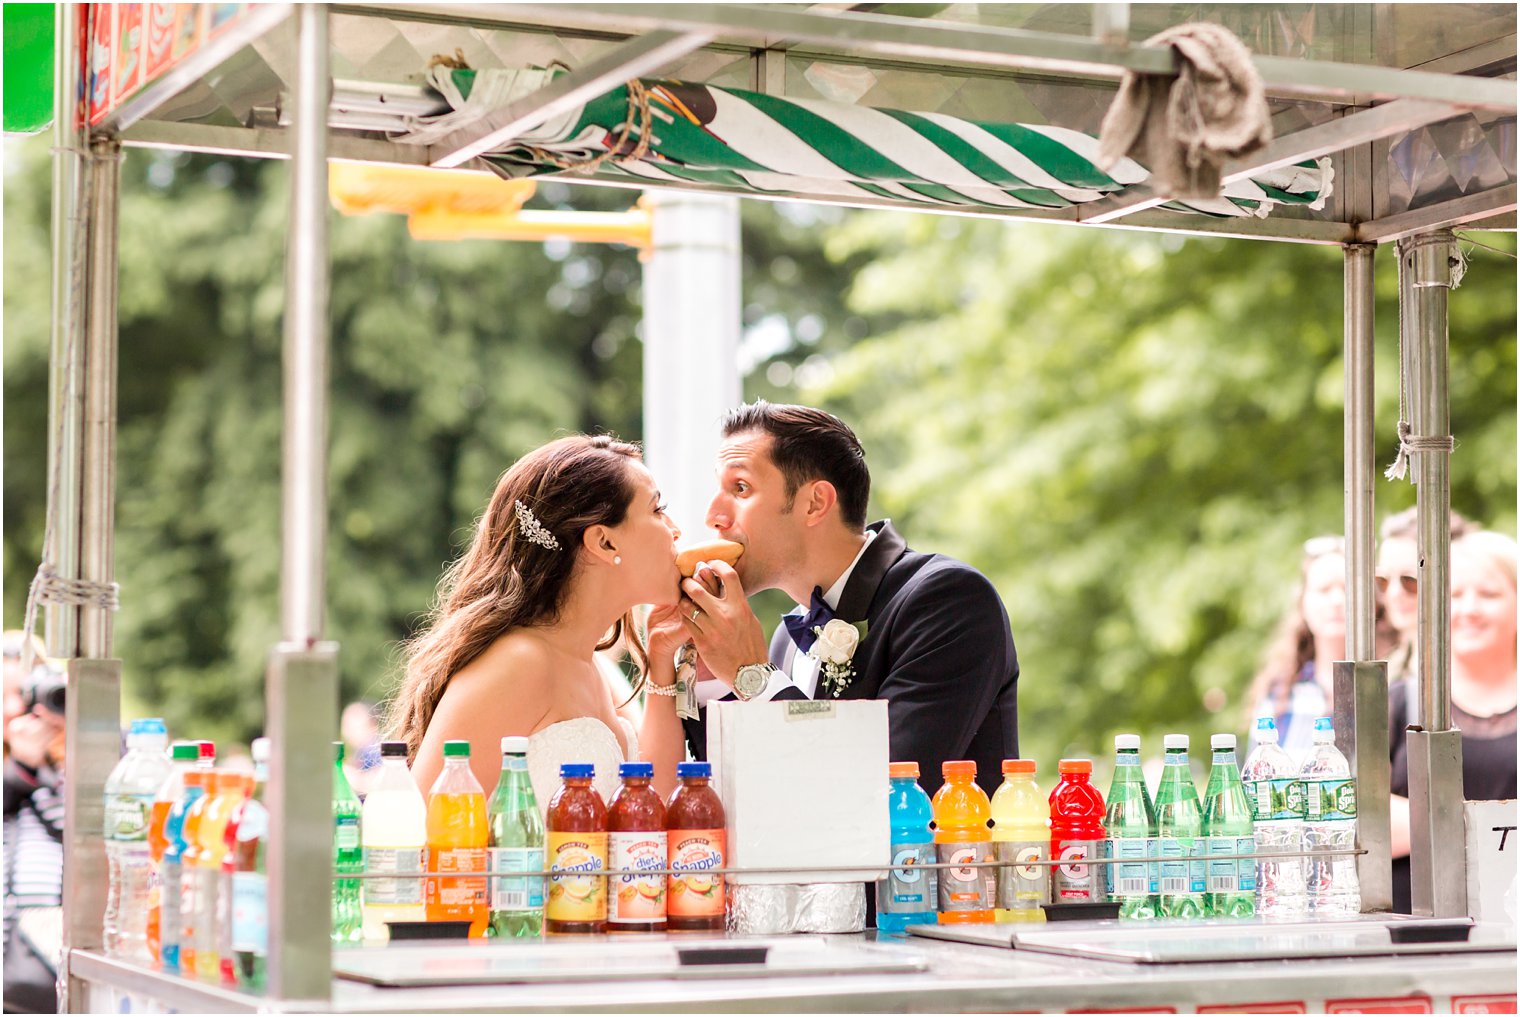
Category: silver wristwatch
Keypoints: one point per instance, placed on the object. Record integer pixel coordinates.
(752, 680)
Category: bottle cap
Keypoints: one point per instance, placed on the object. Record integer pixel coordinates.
(391, 750)
(693, 769)
(1222, 741)
(1324, 729)
(338, 751)
(456, 750)
(958, 768)
(1175, 741)
(1018, 766)
(184, 752)
(1266, 729)
(645, 770)
(569, 770)
(1127, 741)
(260, 750)
(1075, 766)
(517, 745)
(909, 770)
(207, 750)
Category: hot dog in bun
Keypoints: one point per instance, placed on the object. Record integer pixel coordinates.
(689, 557)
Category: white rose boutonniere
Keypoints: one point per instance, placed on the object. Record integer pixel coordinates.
(834, 649)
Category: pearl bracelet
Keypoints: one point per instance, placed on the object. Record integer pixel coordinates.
(661, 690)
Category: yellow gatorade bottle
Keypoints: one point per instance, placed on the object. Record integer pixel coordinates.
(1021, 837)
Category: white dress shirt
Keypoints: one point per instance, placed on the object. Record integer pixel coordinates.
(804, 668)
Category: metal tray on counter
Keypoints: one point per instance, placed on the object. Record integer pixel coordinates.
(617, 959)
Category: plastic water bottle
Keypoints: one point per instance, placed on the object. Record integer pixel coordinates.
(1227, 830)
(1179, 827)
(1131, 824)
(517, 845)
(129, 794)
(904, 896)
(348, 855)
(1276, 799)
(1329, 822)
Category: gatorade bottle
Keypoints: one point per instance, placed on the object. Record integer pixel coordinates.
(636, 840)
(1179, 826)
(517, 845)
(457, 840)
(1076, 835)
(1131, 823)
(247, 937)
(182, 757)
(171, 870)
(211, 847)
(394, 833)
(577, 845)
(348, 855)
(222, 858)
(1227, 830)
(908, 896)
(1021, 838)
(189, 885)
(961, 812)
(697, 840)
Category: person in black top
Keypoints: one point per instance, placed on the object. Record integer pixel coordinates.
(1483, 689)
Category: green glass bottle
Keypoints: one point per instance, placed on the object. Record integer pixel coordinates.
(517, 845)
(1228, 830)
(348, 855)
(1131, 824)
(1179, 828)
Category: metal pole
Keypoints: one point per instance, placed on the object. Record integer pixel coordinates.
(1438, 857)
(691, 344)
(301, 690)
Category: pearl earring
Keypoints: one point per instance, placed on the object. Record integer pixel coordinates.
(617, 559)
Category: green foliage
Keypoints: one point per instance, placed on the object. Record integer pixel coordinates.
(1131, 435)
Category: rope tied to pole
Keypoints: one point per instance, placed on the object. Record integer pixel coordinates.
(1409, 442)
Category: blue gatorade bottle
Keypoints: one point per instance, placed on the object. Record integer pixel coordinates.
(908, 896)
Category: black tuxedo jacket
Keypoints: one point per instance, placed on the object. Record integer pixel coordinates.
(938, 649)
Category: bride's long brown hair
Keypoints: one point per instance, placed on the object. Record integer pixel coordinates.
(505, 581)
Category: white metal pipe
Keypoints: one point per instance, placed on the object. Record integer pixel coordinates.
(1361, 598)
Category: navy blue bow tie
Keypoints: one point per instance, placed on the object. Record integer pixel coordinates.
(800, 626)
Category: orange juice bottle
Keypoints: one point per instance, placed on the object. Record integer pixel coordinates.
(961, 814)
(457, 838)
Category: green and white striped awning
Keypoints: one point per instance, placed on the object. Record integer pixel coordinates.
(748, 141)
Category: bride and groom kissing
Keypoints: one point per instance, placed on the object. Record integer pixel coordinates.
(575, 538)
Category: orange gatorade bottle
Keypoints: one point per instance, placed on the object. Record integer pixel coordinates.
(961, 813)
(457, 838)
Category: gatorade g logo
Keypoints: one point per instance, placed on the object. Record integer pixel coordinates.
(1070, 853)
(961, 857)
(908, 856)
(1029, 873)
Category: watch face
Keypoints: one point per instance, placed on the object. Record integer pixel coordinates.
(751, 679)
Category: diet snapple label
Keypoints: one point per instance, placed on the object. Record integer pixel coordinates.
(517, 893)
(1333, 798)
(1021, 884)
(1074, 881)
(971, 888)
(1133, 879)
(637, 899)
(1234, 875)
(1186, 873)
(912, 889)
(401, 862)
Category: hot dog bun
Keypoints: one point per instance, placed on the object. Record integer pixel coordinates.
(689, 557)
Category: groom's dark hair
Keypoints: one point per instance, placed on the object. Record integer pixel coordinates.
(809, 444)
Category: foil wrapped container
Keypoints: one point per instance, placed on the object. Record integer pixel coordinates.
(776, 909)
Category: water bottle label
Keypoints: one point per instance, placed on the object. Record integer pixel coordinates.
(1021, 885)
(636, 898)
(969, 888)
(1186, 874)
(1233, 875)
(250, 912)
(1278, 798)
(1259, 794)
(346, 833)
(1075, 882)
(1133, 879)
(1332, 799)
(517, 893)
(906, 889)
(127, 816)
(581, 897)
(400, 861)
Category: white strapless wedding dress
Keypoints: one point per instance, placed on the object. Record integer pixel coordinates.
(578, 740)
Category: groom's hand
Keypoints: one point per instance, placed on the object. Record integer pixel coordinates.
(719, 619)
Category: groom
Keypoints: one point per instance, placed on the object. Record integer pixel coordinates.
(937, 647)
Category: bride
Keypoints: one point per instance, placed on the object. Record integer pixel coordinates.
(574, 538)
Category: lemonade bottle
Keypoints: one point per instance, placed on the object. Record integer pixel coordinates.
(577, 844)
(907, 896)
(636, 840)
(457, 840)
(1021, 835)
(183, 757)
(961, 812)
(697, 841)
(393, 830)
(1076, 835)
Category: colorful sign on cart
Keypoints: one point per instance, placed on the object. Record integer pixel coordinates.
(132, 45)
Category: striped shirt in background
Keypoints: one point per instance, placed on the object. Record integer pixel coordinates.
(33, 848)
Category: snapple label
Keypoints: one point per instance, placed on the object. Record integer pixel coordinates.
(695, 892)
(580, 895)
(637, 899)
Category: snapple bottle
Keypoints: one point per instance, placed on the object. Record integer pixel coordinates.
(576, 844)
(636, 840)
(961, 812)
(698, 843)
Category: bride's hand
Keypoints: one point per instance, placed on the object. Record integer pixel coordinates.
(666, 633)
